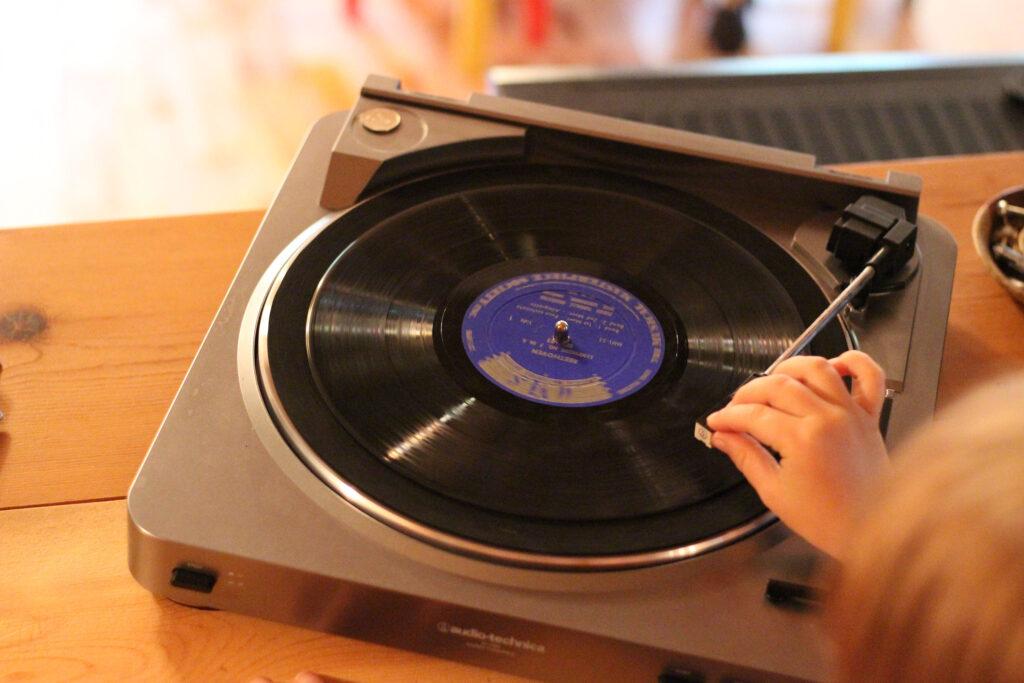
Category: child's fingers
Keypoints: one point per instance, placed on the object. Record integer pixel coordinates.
(819, 376)
(752, 460)
(768, 425)
(781, 391)
(868, 380)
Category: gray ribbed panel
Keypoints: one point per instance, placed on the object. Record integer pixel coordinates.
(839, 117)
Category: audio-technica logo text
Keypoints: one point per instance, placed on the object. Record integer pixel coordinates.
(489, 637)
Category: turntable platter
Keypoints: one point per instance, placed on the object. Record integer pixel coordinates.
(515, 357)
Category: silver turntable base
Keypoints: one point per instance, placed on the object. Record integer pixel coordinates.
(223, 514)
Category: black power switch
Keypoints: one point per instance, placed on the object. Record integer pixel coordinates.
(190, 578)
(680, 676)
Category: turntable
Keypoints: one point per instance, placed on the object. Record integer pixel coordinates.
(448, 401)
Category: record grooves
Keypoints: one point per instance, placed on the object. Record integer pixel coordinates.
(671, 302)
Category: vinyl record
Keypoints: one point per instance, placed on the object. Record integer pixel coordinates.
(414, 347)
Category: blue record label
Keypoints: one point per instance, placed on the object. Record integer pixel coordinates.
(563, 339)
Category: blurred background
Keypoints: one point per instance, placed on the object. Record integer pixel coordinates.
(127, 108)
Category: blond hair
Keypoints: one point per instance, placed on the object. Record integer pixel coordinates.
(933, 586)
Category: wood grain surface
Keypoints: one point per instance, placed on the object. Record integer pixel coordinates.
(102, 323)
(98, 324)
(70, 611)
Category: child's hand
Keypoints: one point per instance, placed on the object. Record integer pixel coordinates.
(831, 451)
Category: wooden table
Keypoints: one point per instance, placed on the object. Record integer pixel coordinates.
(98, 323)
